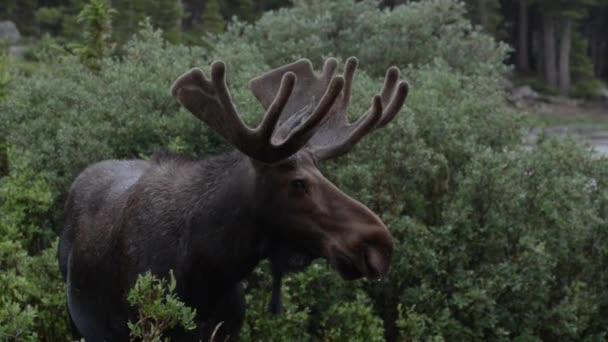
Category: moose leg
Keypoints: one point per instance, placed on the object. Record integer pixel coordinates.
(94, 319)
(76, 336)
(227, 317)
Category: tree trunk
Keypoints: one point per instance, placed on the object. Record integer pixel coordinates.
(550, 71)
(523, 60)
(482, 12)
(598, 42)
(178, 23)
(565, 46)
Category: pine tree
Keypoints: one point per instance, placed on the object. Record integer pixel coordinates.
(487, 14)
(96, 17)
(247, 10)
(212, 19)
(163, 14)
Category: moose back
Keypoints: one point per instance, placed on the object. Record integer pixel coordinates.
(211, 221)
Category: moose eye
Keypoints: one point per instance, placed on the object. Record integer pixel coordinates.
(298, 184)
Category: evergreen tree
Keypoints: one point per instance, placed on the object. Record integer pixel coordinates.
(96, 17)
(163, 14)
(487, 14)
(247, 10)
(560, 18)
(212, 19)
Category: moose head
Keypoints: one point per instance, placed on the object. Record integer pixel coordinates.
(305, 123)
(212, 220)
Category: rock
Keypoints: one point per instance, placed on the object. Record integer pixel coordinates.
(524, 93)
(603, 91)
(9, 32)
(519, 95)
(561, 100)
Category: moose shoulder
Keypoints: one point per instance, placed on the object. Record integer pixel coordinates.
(211, 221)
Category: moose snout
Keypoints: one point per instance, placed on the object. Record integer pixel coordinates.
(359, 243)
(369, 257)
(377, 261)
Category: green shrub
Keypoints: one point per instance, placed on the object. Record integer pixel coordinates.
(4, 81)
(540, 86)
(416, 34)
(68, 116)
(96, 19)
(158, 308)
(259, 325)
(587, 89)
(48, 16)
(32, 294)
(352, 321)
(25, 200)
(317, 305)
(4, 75)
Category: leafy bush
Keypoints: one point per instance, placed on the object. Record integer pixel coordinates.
(4, 81)
(259, 325)
(409, 35)
(504, 259)
(159, 310)
(587, 89)
(317, 305)
(48, 16)
(32, 295)
(540, 86)
(96, 17)
(25, 200)
(68, 116)
(585, 84)
(4, 75)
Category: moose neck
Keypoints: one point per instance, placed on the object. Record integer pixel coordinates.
(225, 239)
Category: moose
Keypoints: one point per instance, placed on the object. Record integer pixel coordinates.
(211, 221)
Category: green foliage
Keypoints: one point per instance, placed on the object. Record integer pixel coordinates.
(25, 200)
(317, 305)
(32, 300)
(410, 35)
(162, 14)
(259, 326)
(49, 17)
(247, 10)
(587, 89)
(5, 77)
(22, 13)
(65, 114)
(4, 82)
(352, 321)
(585, 83)
(212, 18)
(96, 17)
(158, 308)
(540, 86)
(487, 14)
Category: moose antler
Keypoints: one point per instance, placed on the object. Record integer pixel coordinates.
(336, 136)
(210, 101)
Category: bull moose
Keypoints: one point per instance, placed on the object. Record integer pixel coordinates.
(212, 221)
